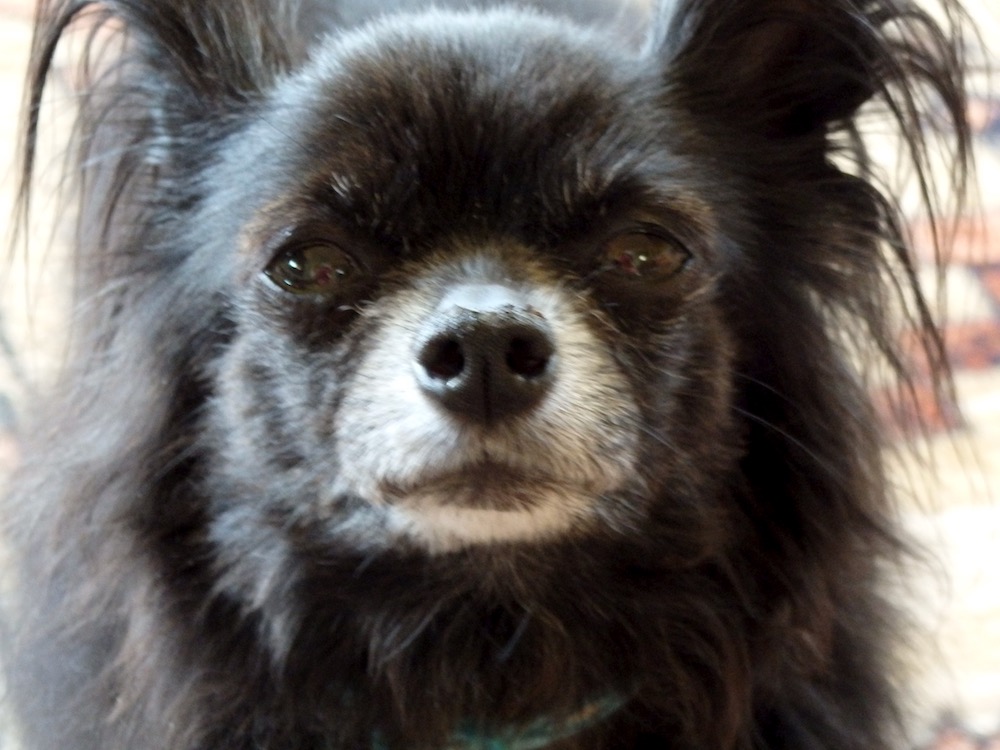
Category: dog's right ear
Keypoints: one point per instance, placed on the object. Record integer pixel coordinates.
(158, 76)
(214, 52)
(221, 52)
(156, 85)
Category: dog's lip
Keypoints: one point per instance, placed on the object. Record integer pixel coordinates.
(485, 484)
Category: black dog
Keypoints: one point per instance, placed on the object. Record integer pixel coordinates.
(475, 377)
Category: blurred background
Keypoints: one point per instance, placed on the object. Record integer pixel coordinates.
(957, 598)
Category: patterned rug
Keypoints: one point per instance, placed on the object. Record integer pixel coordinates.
(950, 736)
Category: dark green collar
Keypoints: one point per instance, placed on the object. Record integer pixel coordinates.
(534, 736)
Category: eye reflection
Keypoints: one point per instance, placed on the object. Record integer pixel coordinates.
(644, 255)
(322, 269)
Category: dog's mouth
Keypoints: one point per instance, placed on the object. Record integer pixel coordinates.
(487, 485)
(488, 503)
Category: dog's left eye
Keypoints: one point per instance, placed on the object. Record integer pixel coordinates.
(322, 269)
(644, 255)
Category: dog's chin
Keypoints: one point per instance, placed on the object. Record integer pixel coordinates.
(488, 504)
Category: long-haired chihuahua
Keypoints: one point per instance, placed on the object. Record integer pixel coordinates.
(469, 375)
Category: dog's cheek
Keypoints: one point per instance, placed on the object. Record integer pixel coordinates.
(690, 441)
(274, 405)
(700, 389)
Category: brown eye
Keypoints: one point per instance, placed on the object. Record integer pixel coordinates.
(312, 269)
(645, 256)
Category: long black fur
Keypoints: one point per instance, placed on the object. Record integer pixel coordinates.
(173, 586)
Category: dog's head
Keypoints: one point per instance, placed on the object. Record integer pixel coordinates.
(490, 276)
(473, 284)
(461, 278)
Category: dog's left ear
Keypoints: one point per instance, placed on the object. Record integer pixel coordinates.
(789, 67)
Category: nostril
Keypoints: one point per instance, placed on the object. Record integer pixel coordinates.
(442, 358)
(528, 356)
(486, 365)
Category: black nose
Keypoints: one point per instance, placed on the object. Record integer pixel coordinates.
(486, 355)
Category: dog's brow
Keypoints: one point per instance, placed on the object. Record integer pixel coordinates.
(344, 186)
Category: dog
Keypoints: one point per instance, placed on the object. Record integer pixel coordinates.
(474, 375)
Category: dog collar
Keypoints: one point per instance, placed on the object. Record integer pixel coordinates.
(534, 736)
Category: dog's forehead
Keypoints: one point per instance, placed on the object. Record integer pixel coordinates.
(451, 117)
(502, 58)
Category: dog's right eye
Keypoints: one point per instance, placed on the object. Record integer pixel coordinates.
(321, 269)
(644, 255)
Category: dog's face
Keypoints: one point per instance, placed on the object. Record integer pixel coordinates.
(473, 291)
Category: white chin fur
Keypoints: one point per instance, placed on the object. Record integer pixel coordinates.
(440, 526)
